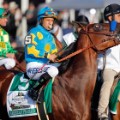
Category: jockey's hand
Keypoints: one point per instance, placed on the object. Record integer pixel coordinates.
(52, 57)
(10, 55)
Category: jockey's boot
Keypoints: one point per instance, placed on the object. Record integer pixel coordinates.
(33, 92)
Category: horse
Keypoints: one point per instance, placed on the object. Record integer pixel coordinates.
(72, 90)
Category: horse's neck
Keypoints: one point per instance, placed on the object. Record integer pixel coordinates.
(83, 65)
(80, 77)
(85, 61)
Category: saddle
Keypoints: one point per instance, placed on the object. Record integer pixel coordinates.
(18, 99)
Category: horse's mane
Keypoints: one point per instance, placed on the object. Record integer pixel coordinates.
(66, 64)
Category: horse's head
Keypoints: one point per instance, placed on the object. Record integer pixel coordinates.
(98, 36)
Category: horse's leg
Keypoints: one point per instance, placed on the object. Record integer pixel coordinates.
(117, 116)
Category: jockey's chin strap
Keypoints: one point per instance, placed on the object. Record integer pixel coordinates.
(91, 46)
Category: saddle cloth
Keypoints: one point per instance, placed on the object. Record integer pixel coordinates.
(114, 99)
(19, 104)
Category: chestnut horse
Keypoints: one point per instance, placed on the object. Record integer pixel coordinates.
(73, 89)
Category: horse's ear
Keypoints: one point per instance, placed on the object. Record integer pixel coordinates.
(78, 25)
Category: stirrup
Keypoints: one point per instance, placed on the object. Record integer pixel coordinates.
(39, 95)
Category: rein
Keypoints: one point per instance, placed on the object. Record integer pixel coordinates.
(81, 50)
(19, 66)
(74, 53)
(106, 34)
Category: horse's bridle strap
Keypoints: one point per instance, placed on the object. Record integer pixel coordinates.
(106, 34)
(77, 52)
(73, 54)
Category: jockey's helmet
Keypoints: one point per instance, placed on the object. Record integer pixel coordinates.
(3, 13)
(110, 10)
(46, 12)
(82, 19)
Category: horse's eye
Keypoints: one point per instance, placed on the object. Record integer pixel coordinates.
(97, 27)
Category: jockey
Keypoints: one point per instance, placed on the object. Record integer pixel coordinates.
(40, 48)
(7, 53)
(112, 64)
(73, 36)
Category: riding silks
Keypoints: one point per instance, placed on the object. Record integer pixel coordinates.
(42, 44)
(5, 46)
(114, 99)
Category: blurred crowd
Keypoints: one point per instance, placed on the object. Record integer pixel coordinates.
(14, 24)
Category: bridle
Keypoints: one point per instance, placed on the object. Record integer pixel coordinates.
(111, 36)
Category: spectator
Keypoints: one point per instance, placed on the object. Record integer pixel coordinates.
(31, 16)
(11, 27)
(5, 5)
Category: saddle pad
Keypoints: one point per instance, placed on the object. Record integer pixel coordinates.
(18, 102)
(114, 99)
